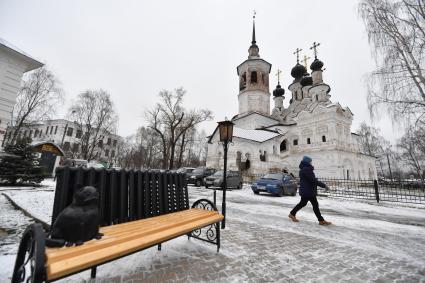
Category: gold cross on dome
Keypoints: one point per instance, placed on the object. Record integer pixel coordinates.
(297, 51)
(278, 72)
(314, 47)
(305, 61)
(253, 14)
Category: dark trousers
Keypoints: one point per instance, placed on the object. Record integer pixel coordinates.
(304, 202)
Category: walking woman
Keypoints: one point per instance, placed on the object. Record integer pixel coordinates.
(308, 191)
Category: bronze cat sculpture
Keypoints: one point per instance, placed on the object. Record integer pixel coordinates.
(78, 222)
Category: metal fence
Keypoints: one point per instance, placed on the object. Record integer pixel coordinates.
(393, 191)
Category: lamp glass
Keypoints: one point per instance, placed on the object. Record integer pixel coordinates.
(226, 131)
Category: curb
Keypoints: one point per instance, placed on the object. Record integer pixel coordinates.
(26, 213)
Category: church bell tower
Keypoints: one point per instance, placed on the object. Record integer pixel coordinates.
(254, 95)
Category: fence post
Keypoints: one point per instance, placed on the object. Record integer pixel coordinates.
(375, 184)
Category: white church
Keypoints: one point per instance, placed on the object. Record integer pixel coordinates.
(269, 140)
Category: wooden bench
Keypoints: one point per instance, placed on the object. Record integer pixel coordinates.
(43, 264)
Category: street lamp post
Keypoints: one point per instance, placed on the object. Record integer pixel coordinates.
(226, 134)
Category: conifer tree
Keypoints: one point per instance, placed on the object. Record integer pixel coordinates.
(22, 166)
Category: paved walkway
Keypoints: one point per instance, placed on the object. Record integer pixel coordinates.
(253, 252)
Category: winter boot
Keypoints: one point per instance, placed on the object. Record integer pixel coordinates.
(293, 218)
(324, 222)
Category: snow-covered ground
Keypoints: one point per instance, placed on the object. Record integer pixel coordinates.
(388, 237)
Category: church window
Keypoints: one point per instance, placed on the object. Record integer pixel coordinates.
(51, 130)
(308, 141)
(317, 97)
(254, 77)
(283, 146)
(323, 138)
(242, 84)
(274, 149)
(263, 156)
(296, 142)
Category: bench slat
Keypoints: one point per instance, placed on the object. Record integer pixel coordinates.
(64, 261)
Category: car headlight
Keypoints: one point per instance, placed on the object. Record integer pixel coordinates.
(192, 177)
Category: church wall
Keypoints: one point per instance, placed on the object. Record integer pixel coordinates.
(254, 100)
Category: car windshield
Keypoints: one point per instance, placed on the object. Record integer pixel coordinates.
(218, 173)
(273, 176)
(198, 171)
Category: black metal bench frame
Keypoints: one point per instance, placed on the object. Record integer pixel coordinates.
(30, 259)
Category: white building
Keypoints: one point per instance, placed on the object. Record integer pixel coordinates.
(267, 139)
(67, 135)
(13, 64)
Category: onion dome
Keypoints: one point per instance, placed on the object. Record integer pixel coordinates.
(316, 65)
(298, 71)
(279, 91)
(307, 80)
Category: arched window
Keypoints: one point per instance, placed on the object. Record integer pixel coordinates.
(254, 77)
(323, 138)
(242, 83)
(317, 97)
(283, 146)
(308, 141)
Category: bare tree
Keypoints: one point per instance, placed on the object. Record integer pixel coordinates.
(412, 146)
(95, 117)
(396, 30)
(170, 120)
(37, 100)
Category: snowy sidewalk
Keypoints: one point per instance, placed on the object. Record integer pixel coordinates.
(368, 243)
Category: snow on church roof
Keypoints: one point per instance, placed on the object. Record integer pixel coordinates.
(255, 135)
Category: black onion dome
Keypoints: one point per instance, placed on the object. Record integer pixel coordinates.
(298, 71)
(279, 91)
(316, 65)
(307, 80)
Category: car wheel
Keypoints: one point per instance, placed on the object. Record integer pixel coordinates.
(206, 186)
(256, 192)
(281, 193)
(198, 183)
(240, 186)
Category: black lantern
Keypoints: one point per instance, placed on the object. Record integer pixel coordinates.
(226, 133)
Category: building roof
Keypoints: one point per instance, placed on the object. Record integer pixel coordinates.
(32, 63)
(254, 135)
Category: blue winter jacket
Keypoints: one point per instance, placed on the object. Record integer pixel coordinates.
(308, 181)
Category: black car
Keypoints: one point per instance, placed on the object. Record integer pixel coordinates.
(196, 177)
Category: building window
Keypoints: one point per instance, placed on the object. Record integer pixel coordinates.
(47, 130)
(323, 138)
(101, 143)
(30, 133)
(75, 147)
(242, 83)
(296, 142)
(109, 141)
(79, 134)
(69, 132)
(308, 141)
(39, 134)
(263, 156)
(35, 133)
(114, 143)
(25, 133)
(56, 129)
(317, 97)
(254, 77)
(51, 130)
(66, 146)
(107, 152)
(283, 146)
(113, 153)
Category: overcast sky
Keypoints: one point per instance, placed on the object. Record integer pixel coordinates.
(133, 49)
